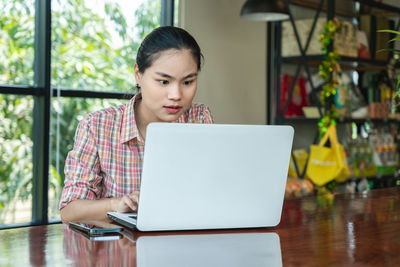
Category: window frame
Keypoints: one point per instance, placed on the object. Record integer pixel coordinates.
(42, 92)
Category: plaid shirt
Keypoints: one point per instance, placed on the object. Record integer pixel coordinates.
(107, 157)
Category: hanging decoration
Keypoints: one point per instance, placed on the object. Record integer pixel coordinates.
(329, 70)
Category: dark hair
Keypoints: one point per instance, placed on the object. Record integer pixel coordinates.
(165, 38)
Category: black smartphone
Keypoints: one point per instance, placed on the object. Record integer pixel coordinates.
(103, 237)
(95, 230)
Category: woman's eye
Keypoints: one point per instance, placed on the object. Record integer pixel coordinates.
(188, 82)
(163, 82)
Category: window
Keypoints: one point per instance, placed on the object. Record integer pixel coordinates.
(95, 42)
(88, 66)
(17, 26)
(15, 158)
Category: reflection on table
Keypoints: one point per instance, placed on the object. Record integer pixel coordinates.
(85, 252)
(230, 250)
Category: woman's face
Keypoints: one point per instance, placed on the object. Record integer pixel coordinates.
(168, 85)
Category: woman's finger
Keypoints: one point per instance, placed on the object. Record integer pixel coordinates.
(128, 201)
(135, 198)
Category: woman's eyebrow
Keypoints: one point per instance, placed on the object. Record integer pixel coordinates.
(162, 74)
(190, 75)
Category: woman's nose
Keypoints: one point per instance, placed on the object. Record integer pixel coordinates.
(174, 92)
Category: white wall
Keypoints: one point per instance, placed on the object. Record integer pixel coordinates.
(233, 79)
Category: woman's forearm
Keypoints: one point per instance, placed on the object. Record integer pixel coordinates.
(83, 210)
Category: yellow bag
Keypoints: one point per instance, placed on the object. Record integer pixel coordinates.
(300, 155)
(327, 163)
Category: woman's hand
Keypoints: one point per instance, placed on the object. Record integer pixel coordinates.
(128, 203)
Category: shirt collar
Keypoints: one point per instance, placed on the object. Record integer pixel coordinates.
(129, 130)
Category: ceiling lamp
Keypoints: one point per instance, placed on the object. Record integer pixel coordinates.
(265, 10)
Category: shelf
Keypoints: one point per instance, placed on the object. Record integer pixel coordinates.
(378, 5)
(317, 59)
(371, 178)
(314, 5)
(296, 120)
(346, 8)
(311, 62)
(376, 178)
(380, 181)
(339, 120)
(350, 120)
(298, 59)
(363, 61)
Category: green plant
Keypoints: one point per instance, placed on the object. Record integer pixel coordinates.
(328, 70)
(397, 38)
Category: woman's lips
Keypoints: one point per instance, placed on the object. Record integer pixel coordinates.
(172, 109)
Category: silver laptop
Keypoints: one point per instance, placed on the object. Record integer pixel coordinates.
(211, 176)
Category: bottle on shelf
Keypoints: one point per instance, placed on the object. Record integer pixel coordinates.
(384, 151)
(379, 96)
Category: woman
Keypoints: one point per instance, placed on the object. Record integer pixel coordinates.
(103, 171)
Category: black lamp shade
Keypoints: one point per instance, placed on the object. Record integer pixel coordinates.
(264, 10)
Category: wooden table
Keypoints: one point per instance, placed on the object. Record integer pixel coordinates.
(360, 229)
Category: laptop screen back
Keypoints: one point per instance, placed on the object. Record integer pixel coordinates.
(205, 176)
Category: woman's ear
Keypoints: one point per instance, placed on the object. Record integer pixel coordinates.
(138, 76)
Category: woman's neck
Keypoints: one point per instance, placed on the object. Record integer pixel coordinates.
(141, 122)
